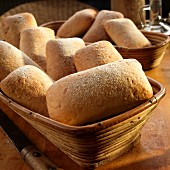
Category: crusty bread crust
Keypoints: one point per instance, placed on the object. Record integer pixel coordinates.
(59, 54)
(95, 54)
(13, 25)
(99, 92)
(33, 43)
(27, 85)
(77, 24)
(11, 58)
(125, 33)
(97, 32)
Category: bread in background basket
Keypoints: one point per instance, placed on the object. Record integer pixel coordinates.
(149, 56)
(78, 23)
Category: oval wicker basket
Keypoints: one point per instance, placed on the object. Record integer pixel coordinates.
(149, 57)
(93, 145)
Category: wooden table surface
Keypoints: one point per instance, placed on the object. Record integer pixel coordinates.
(152, 152)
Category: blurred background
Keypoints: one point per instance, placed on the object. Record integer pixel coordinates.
(106, 4)
(8, 4)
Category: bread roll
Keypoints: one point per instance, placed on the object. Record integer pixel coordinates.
(99, 92)
(60, 56)
(27, 85)
(33, 43)
(11, 58)
(95, 54)
(14, 24)
(97, 31)
(77, 24)
(125, 33)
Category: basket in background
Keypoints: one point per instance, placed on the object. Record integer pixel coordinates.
(149, 57)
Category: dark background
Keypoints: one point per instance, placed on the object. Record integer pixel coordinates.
(105, 4)
(5, 5)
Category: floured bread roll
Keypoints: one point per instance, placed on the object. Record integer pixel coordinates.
(95, 54)
(99, 92)
(77, 24)
(27, 85)
(97, 32)
(33, 43)
(11, 58)
(59, 54)
(14, 24)
(125, 33)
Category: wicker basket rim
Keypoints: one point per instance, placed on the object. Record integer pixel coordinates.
(52, 22)
(159, 94)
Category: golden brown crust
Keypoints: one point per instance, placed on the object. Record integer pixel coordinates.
(77, 24)
(95, 54)
(99, 92)
(13, 25)
(27, 85)
(125, 33)
(11, 58)
(60, 56)
(33, 43)
(97, 31)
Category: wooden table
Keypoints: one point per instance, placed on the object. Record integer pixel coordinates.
(152, 153)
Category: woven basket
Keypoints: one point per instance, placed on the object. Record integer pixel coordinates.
(93, 145)
(149, 57)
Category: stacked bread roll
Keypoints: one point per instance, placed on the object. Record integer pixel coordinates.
(70, 81)
(125, 33)
(13, 25)
(95, 54)
(21, 31)
(21, 54)
(27, 85)
(97, 31)
(33, 43)
(59, 54)
(106, 25)
(97, 93)
(77, 24)
(12, 58)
